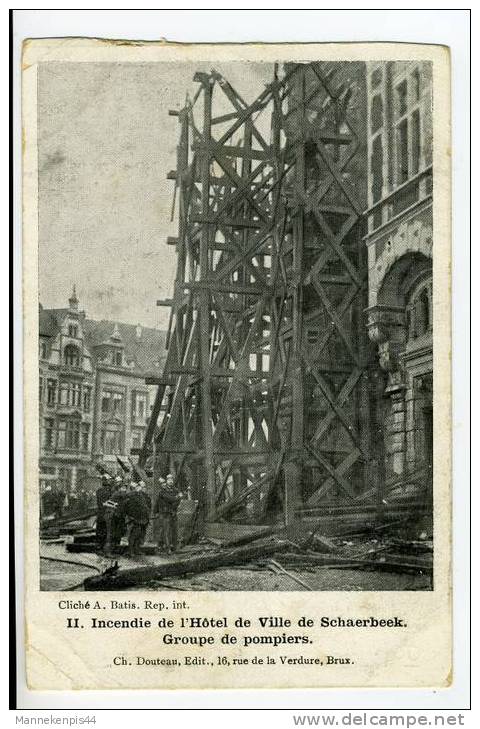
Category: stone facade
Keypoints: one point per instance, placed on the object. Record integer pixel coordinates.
(400, 244)
(93, 400)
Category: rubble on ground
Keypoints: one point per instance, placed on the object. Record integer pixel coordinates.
(231, 556)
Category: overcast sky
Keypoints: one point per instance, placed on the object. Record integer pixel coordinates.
(106, 143)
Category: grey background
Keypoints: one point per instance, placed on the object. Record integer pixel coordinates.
(105, 145)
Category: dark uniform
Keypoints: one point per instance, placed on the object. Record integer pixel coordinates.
(116, 511)
(138, 505)
(166, 507)
(103, 494)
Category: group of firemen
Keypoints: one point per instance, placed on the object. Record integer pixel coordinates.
(55, 502)
(124, 508)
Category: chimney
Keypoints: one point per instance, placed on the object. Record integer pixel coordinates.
(138, 331)
(116, 333)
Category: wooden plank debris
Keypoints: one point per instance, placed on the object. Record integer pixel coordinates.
(278, 568)
(385, 564)
(123, 579)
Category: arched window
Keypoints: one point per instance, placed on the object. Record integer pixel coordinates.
(419, 311)
(71, 355)
(422, 313)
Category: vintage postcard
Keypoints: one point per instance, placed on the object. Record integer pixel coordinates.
(237, 365)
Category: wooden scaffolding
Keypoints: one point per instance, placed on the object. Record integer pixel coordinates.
(265, 404)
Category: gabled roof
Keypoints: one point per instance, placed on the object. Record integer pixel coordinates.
(146, 351)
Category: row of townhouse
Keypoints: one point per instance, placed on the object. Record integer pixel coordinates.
(94, 404)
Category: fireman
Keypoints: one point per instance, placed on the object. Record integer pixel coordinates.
(137, 509)
(166, 507)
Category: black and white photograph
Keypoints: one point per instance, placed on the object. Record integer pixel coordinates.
(235, 326)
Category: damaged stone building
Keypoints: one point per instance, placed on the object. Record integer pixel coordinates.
(400, 242)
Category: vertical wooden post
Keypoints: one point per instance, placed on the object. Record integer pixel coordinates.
(246, 169)
(204, 308)
(151, 532)
(366, 389)
(293, 467)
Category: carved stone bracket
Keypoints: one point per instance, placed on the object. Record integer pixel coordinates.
(382, 321)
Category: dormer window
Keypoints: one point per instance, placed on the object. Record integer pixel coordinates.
(73, 330)
(117, 358)
(71, 356)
